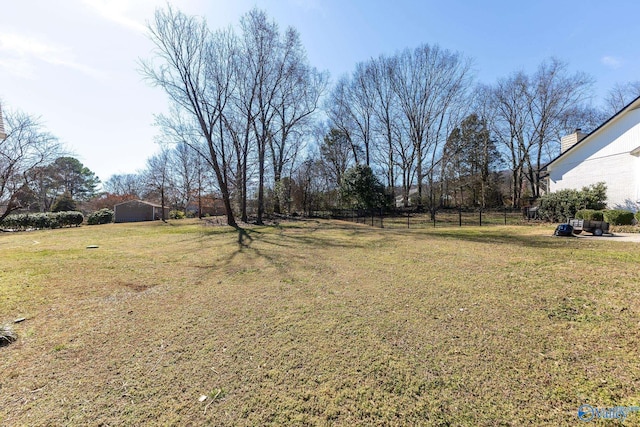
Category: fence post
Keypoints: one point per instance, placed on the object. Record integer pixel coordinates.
(372, 216)
(480, 217)
(407, 219)
(505, 215)
(381, 218)
(460, 216)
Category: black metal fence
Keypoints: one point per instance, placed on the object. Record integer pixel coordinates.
(416, 219)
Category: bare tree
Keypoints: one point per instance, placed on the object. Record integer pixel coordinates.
(3, 135)
(339, 111)
(283, 92)
(130, 184)
(552, 97)
(405, 154)
(509, 103)
(157, 176)
(385, 108)
(195, 70)
(531, 113)
(25, 148)
(185, 169)
(309, 189)
(296, 101)
(351, 109)
(621, 95)
(361, 95)
(430, 83)
(263, 53)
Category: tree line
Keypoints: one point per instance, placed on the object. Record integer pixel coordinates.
(36, 173)
(254, 123)
(431, 134)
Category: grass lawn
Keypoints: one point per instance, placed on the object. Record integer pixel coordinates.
(316, 323)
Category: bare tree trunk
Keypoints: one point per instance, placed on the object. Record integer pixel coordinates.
(196, 75)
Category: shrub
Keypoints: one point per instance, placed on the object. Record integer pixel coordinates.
(564, 204)
(69, 218)
(361, 189)
(638, 216)
(42, 220)
(590, 214)
(175, 214)
(618, 217)
(64, 203)
(103, 216)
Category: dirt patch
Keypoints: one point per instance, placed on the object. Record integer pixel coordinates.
(138, 287)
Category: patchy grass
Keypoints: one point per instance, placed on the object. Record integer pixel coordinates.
(315, 323)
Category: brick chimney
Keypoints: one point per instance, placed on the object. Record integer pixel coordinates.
(570, 140)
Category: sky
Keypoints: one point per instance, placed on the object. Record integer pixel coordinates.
(75, 63)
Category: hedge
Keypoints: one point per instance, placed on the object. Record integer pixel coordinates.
(103, 216)
(29, 221)
(564, 204)
(590, 214)
(618, 217)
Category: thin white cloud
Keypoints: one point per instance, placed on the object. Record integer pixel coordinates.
(117, 11)
(611, 62)
(19, 54)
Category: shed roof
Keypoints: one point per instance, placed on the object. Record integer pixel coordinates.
(155, 205)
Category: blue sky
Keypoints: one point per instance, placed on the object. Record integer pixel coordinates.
(74, 62)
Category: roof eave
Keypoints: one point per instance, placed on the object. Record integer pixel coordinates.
(630, 106)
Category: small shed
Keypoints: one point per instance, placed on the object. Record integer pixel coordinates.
(138, 210)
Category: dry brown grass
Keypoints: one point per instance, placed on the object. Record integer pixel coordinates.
(315, 323)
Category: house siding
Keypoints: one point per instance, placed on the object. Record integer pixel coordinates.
(136, 211)
(605, 158)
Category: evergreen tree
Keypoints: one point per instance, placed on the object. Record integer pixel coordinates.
(68, 175)
(361, 189)
(64, 203)
(470, 157)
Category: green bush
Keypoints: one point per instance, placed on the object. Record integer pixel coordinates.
(564, 204)
(44, 220)
(618, 217)
(64, 203)
(103, 216)
(69, 218)
(361, 188)
(590, 214)
(638, 216)
(175, 214)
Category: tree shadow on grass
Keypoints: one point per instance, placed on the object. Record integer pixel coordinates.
(297, 245)
(244, 238)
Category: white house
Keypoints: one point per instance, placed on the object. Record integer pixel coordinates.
(610, 154)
